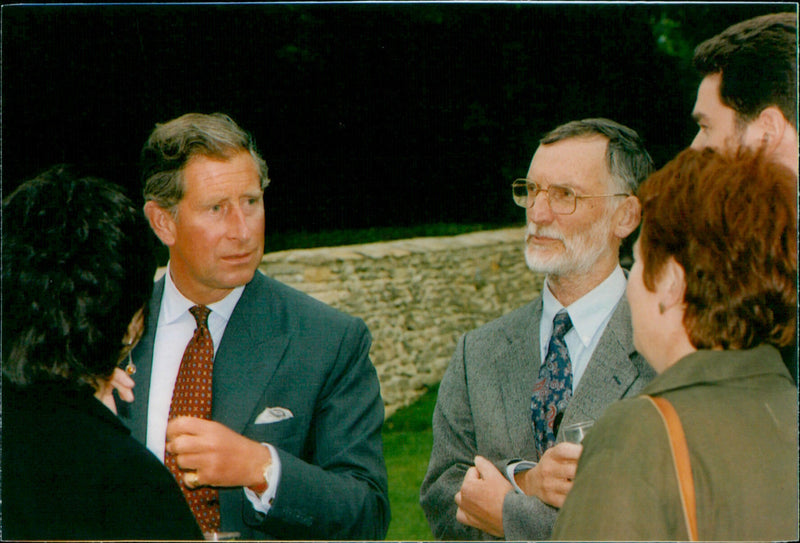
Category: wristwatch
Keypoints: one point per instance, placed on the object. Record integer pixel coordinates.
(262, 487)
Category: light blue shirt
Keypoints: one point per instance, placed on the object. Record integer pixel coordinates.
(589, 315)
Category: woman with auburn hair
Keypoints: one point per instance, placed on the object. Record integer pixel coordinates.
(712, 294)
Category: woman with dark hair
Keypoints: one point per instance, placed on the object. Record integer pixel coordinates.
(712, 294)
(78, 265)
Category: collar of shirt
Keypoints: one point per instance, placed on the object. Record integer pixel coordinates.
(175, 307)
(590, 315)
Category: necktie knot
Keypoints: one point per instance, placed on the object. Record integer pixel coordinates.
(561, 324)
(200, 314)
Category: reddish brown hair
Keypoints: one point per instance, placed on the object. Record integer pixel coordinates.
(731, 223)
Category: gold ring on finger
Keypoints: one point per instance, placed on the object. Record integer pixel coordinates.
(190, 479)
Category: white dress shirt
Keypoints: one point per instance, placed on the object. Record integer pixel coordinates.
(176, 326)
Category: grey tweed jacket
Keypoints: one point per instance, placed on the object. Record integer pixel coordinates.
(483, 409)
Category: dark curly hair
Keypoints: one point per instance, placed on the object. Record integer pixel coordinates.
(731, 224)
(78, 262)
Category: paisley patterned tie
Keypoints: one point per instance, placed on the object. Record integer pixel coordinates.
(192, 397)
(553, 390)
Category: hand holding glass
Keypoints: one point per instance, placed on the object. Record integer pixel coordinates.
(575, 432)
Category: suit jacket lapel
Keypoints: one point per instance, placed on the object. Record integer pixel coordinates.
(250, 351)
(518, 368)
(610, 372)
(135, 414)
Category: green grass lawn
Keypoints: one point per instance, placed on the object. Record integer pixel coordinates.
(407, 439)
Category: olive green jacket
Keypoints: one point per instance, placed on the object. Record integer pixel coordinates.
(739, 414)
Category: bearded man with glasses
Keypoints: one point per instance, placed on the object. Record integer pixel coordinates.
(499, 466)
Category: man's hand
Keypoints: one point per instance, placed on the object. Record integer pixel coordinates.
(218, 455)
(551, 479)
(119, 381)
(480, 500)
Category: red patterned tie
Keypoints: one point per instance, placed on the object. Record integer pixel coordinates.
(192, 397)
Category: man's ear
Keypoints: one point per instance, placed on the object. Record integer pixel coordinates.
(161, 221)
(627, 217)
(769, 129)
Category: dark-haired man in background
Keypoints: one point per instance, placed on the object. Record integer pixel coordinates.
(748, 97)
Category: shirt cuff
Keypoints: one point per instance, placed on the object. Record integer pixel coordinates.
(263, 503)
(512, 468)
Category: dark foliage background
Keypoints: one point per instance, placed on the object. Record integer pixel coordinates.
(368, 115)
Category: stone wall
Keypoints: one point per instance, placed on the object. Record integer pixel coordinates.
(417, 296)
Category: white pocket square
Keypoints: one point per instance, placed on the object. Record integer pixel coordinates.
(273, 414)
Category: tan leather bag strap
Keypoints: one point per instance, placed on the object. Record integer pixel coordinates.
(680, 457)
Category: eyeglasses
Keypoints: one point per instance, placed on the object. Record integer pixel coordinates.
(562, 200)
